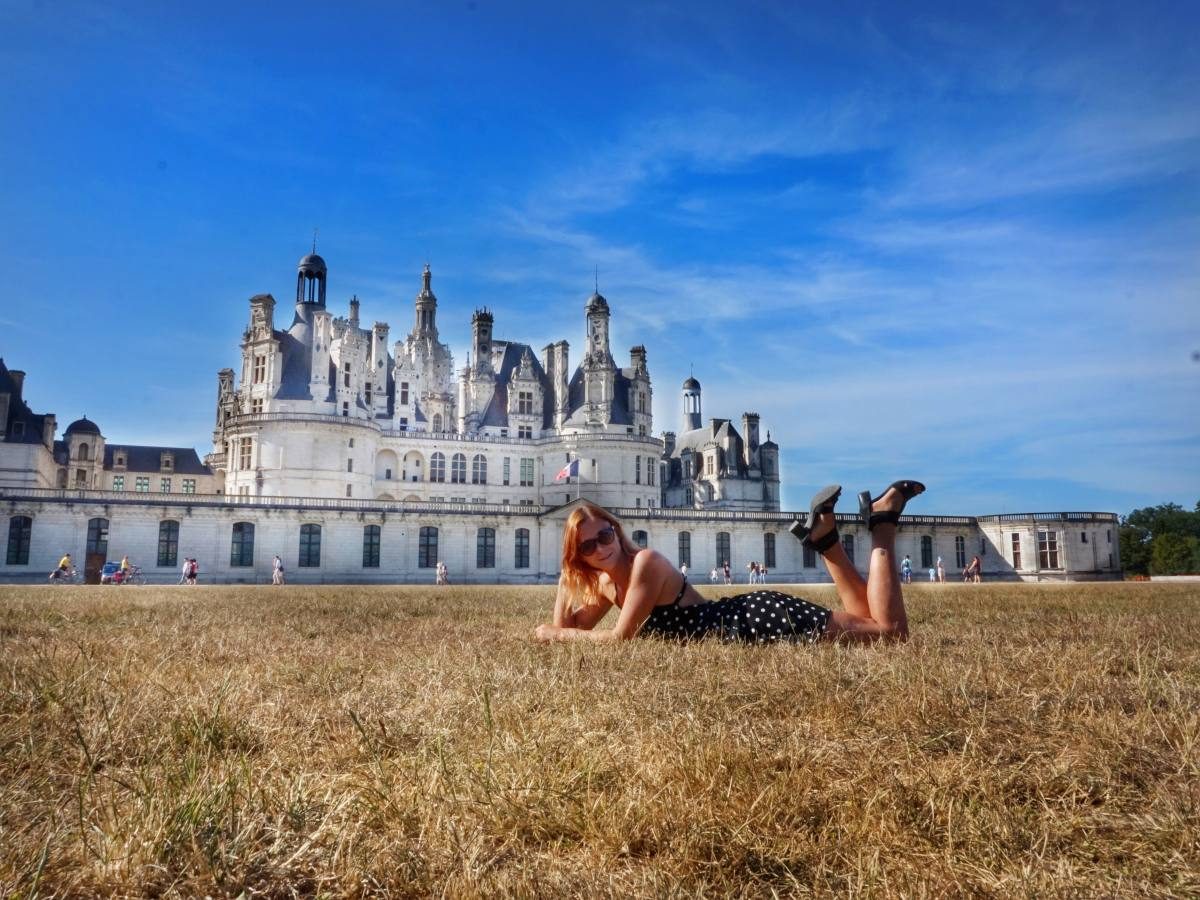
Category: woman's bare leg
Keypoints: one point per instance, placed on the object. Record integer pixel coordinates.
(883, 584)
(851, 588)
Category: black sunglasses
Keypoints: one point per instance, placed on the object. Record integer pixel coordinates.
(603, 538)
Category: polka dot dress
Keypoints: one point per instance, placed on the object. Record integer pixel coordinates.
(761, 617)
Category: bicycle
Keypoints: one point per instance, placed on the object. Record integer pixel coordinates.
(135, 576)
(58, 576)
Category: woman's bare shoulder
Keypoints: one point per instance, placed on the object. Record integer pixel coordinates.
(651, 561)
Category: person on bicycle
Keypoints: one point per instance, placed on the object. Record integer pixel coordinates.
(124, 568)
(64, 567)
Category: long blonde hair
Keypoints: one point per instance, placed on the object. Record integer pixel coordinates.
(580, 579)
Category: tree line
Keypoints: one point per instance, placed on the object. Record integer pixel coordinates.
(1161, 540)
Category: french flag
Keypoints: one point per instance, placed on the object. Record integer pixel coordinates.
(571, 468)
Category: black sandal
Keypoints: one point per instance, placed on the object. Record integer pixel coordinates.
(907, 488)
(822, 502)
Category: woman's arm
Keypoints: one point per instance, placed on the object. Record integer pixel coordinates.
(651, 576)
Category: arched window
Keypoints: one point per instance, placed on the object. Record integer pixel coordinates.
(485, 548)
(458, 469)
(479, 469)
(84, 451)
(310, 546)
(437, 467)
(97, 539)
(926, 552)
(521, 555)
(427, 549)
(960, 551)
(241, 546)
(685, 548)
(640, 538)
(371, 546)
(723, 548)
(769, 550)
(168, 543)
(437, 421)
(20, 530)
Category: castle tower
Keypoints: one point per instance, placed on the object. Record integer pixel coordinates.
(310, 281)
(597, 327)
(481, 340)
(750, 423)
(426, 323)
(691, 405)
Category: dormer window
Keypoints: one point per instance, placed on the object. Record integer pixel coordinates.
(166, 462)
(119, 459)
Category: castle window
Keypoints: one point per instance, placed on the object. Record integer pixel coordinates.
(848, 546)
(1048, 549)
(641, 401)
(260, 369)
(637, 470)
(189, 485)
(142, 484)
(485, 548)
(641, 538)
(507, 470)
(685, 548)
(97, 537)
(478, 469)
(960, 552)
(769, 550)
(18, 429)
(82, 455)
(1083, 536)
(710, 464)
(241, 545)
(120, 459)
(404, 393)
(437, 467)
(310, 546)
(1109, 535)
(458, 469)
(387, 474)
(256, 405)
(525, 431)
(345, 409)
(437, 422)
(371, 546)
(642, 430)
(244, 453)
(350, 443)
(651, 465)
(526, 472)
(349, 465)
(20, 530)
(810, 557)
(521, 549)
(167, 462)
(688, 497)
(525, 403)
(926, 551)
(403, 423)
(118, 483)
(346, 375)
(1016, 551)
(367, 393)
(349, 490)
(164, 485)
(168, 543)
(427, 548)
(722, 547)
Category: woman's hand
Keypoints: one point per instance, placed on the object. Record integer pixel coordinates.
(546, 633)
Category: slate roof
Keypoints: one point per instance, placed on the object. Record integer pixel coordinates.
(496, 413)
(147, 459)
(19, 411)
(620, 401)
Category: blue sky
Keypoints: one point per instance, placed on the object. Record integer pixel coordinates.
(956, 242)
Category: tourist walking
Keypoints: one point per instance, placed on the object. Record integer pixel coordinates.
(442, 574)
(602, 568)
(277, 570)
(975, 570)
(906, 569)
(186, 571)
(941, 571)
(725, 572)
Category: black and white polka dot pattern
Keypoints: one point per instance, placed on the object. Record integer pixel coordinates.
(760, 617)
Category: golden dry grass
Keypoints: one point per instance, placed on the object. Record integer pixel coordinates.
(1029, 741)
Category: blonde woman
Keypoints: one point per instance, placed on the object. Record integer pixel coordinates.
(602, 568)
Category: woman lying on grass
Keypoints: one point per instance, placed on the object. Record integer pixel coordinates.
(602, 568)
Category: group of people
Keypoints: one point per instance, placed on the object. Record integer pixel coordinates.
(937, 573)
(719, 572)
(191, 571)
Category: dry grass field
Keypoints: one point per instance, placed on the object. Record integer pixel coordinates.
(1028, 742)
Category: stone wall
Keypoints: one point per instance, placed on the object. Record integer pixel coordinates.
(61, 518)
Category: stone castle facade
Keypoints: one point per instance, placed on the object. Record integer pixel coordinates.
(357, 461)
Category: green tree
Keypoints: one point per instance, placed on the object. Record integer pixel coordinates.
(1174, 554)
(1135, 549)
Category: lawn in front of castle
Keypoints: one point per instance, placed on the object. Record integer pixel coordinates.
(1028, 741)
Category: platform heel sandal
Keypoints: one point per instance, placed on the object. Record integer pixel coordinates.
(907, 488)
(822, 502)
